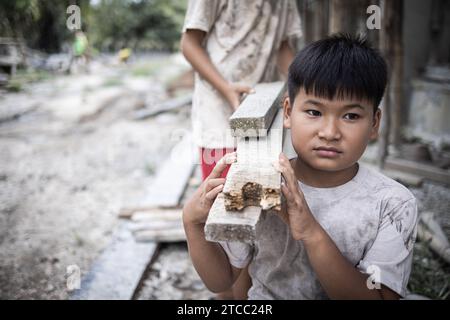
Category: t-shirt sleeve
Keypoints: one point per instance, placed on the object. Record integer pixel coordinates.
(293, 22)
(389, 259)
(201, 14)
(239, 253)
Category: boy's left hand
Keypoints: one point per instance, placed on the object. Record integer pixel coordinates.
(296, 213)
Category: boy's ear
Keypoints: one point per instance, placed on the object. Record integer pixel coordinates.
(287, 109)
(376, 124)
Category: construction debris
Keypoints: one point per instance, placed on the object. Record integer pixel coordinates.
(165, 106)
(425, 171)
(431, 232)
(117, 272)
(171, 179)
(161, 225)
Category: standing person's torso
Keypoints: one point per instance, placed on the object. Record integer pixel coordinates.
(242, 41)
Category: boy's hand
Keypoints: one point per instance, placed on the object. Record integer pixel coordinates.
(234, 93)
(196, 210)
(296, 212)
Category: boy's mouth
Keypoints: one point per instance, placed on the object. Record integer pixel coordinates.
(327, 152)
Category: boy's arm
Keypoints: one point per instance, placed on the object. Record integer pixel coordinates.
(285, 56)
(339, 278)
(192, 49)
(208, 258)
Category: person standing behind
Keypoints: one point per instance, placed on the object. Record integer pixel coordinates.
(233, 45)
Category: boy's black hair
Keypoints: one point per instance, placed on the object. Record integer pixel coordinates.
(339, 66)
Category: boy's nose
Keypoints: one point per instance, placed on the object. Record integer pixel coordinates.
(330, 131)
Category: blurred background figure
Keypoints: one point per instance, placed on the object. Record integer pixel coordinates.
(124, 55)
(80, 51)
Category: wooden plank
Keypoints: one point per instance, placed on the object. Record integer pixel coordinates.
(157, 214)
(161, 225)
(165, 106)
(166, 235)
(426, 171)
(156, 225)
(223, 225)
(171, 179)
(254, 116)
(117, 272)
(252, 179)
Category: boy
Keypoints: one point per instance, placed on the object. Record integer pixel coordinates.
(232, 45)
(346, 232)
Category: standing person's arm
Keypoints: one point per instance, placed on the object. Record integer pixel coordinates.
(191, 46)
(285, 56)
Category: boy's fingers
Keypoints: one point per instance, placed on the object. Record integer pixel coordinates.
(288, 172)
(212, 183)
(287, 193)
(227, 159)
(211, 195)
(284, 215)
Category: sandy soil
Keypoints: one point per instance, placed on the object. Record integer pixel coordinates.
(68, 166)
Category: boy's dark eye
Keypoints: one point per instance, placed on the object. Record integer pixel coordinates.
(313, 113)
(351, 116)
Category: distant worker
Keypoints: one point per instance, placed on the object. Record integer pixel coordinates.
(80, 50)
(124, 54)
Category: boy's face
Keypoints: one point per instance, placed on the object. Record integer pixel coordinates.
(330, 135)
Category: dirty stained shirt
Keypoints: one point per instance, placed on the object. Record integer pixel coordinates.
(242, 41)
(372, 219)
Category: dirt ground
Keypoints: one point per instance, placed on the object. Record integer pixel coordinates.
(70, 162)
(75, 156)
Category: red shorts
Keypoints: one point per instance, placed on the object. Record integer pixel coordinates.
(209, 158)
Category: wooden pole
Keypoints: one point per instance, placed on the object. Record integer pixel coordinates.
(392, 48)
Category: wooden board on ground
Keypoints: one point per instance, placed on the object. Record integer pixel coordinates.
(255, 114)
(252, 180)
(171, 178)
(165, 106)
(423, 170)
(223, 225)
(162, 225)
(117, 272)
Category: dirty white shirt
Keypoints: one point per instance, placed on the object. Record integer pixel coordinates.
(372, 219)
(242, 41)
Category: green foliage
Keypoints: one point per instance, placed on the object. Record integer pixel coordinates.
(430, 274)
(109, 24)
(23, 77)
(145, 24)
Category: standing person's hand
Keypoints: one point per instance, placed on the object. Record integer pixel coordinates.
(196, 210)
(234, 94)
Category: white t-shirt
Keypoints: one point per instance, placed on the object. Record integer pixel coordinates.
(242, 41)
(372, 219)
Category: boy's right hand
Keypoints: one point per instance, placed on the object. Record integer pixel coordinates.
(234, 94)
(196, 209)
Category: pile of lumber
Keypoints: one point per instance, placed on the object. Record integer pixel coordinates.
(253, 184)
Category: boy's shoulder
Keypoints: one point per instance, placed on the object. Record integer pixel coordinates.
(391, 193)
